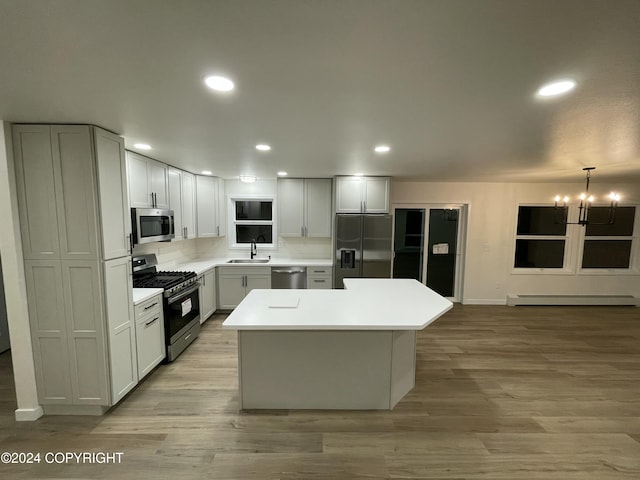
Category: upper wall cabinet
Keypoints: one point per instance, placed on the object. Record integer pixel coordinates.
(304, 207)
(148, 182)
(362, 194)
(210, 207)
(182, 202)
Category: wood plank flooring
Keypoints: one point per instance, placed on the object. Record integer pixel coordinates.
(501, 393)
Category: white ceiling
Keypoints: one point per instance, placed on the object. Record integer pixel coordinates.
(449, 84)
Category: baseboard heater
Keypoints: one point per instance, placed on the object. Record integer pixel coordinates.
(514, 300)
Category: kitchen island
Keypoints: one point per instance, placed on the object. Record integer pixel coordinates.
(332, 349)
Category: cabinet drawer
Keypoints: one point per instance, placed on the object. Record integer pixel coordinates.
(318, 271)
(318, 282)
(149, 307)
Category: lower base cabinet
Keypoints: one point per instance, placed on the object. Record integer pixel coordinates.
(234, 283)
(150, 341)
(208, 300)
(319, 278)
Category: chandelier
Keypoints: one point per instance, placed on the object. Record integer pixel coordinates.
(586, 202)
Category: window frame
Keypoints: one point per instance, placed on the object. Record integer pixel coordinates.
(634, 263)
(232, 222)
(567, 260)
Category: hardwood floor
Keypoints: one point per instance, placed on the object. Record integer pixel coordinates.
(501, 393)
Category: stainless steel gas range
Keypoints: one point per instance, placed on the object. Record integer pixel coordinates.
(181, 302)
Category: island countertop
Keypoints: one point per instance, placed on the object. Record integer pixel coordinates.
(364, 304)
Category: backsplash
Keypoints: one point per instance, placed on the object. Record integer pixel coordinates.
(169, 253)
(311, 248)
(175, 253)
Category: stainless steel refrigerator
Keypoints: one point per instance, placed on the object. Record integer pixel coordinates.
(363, 247)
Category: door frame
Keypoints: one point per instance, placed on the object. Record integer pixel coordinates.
(461, 244)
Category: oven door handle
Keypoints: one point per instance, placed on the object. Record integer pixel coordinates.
(180, 295)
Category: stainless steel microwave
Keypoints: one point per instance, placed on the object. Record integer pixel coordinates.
(152, 225)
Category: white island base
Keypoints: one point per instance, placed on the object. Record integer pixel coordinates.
(357, 369)
(331, 349)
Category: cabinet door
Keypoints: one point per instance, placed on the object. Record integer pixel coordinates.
(231, 290)
(150, 342)
(84, 308)
(121, 327)
(75, 192)
(376, 199)
(139, 193)
(221, 208)
(207, 295)
(48, 330)
(158, 174)
(257, 281)
(188, 204)
(115, 216)
(291, 207)
(175, 201)
(36, 193)
(349, 194)
(318, 207)
(206, 206)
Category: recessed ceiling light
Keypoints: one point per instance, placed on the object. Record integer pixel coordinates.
(263, 147)
(142, 146)
(206, 172)
(382, 148)
(219, 84)
(556, 88)
(248, 178)
(358, 174)
(282, 174)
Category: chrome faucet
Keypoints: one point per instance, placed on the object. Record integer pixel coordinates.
(254, 248)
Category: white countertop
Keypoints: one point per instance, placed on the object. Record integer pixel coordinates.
(142, 294)
(365, 304)
(202, 266)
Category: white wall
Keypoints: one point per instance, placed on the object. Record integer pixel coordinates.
(15, 286)
(490, 241)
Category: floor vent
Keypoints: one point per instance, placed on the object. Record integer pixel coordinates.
(514, 300)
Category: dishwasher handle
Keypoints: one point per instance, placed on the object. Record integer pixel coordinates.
(288, 270)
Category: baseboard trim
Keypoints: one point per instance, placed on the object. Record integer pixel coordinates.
(96, 410)
(514, 300)
(484, 301)
(28, 414)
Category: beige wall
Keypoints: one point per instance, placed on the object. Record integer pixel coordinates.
(490, 237)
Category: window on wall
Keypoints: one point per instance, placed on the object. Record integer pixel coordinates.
(609, 246)
(253, 221)
(540, 237)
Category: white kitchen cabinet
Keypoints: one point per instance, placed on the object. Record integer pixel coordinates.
(362, 194)
(210, 216)
(75, 187)
(54, 174)
(304, 207)
(208, 295)
(182, 202)
(175, 201)
(45, 298)
(189, 204)
(234, 283)
(121, 327)
(319, 277)
(150, 339)
(115, 216)
(148, 182)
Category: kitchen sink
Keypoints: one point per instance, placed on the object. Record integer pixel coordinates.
(249, 260)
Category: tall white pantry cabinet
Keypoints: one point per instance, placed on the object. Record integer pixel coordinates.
(75, 226)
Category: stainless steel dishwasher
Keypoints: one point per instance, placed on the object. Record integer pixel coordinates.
(288, 277)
